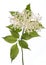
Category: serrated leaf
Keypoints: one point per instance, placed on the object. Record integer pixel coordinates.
(14, 33)
(30, 35)
(10, 39)
(28, 7)
(12, 13)
(14, 52)
(23, 44)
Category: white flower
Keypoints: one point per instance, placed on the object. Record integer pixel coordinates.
(26, 20)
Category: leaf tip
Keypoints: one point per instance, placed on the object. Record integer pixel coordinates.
(11, 60)
(3, 37)
(28, 7)
(12, 13)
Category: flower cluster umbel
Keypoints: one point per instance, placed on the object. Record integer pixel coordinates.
(27, 20)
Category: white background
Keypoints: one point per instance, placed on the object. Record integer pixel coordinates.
(37, 55)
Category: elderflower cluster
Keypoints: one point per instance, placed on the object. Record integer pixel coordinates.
(27, 20)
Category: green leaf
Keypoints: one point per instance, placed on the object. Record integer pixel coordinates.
(10, 39)
(41, 25)
(26, 36)
(14, 33)
(23, 44)
(28, 7)
(10, 26)
(30, 35)
(34, 34)
(18, 29)
(12, 13)
(14, 52)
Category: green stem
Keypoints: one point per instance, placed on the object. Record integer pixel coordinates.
(22, 49)
(22, 57)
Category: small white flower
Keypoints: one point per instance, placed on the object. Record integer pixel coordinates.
(26, 20)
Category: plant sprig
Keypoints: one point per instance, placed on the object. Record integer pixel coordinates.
(14, 36)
